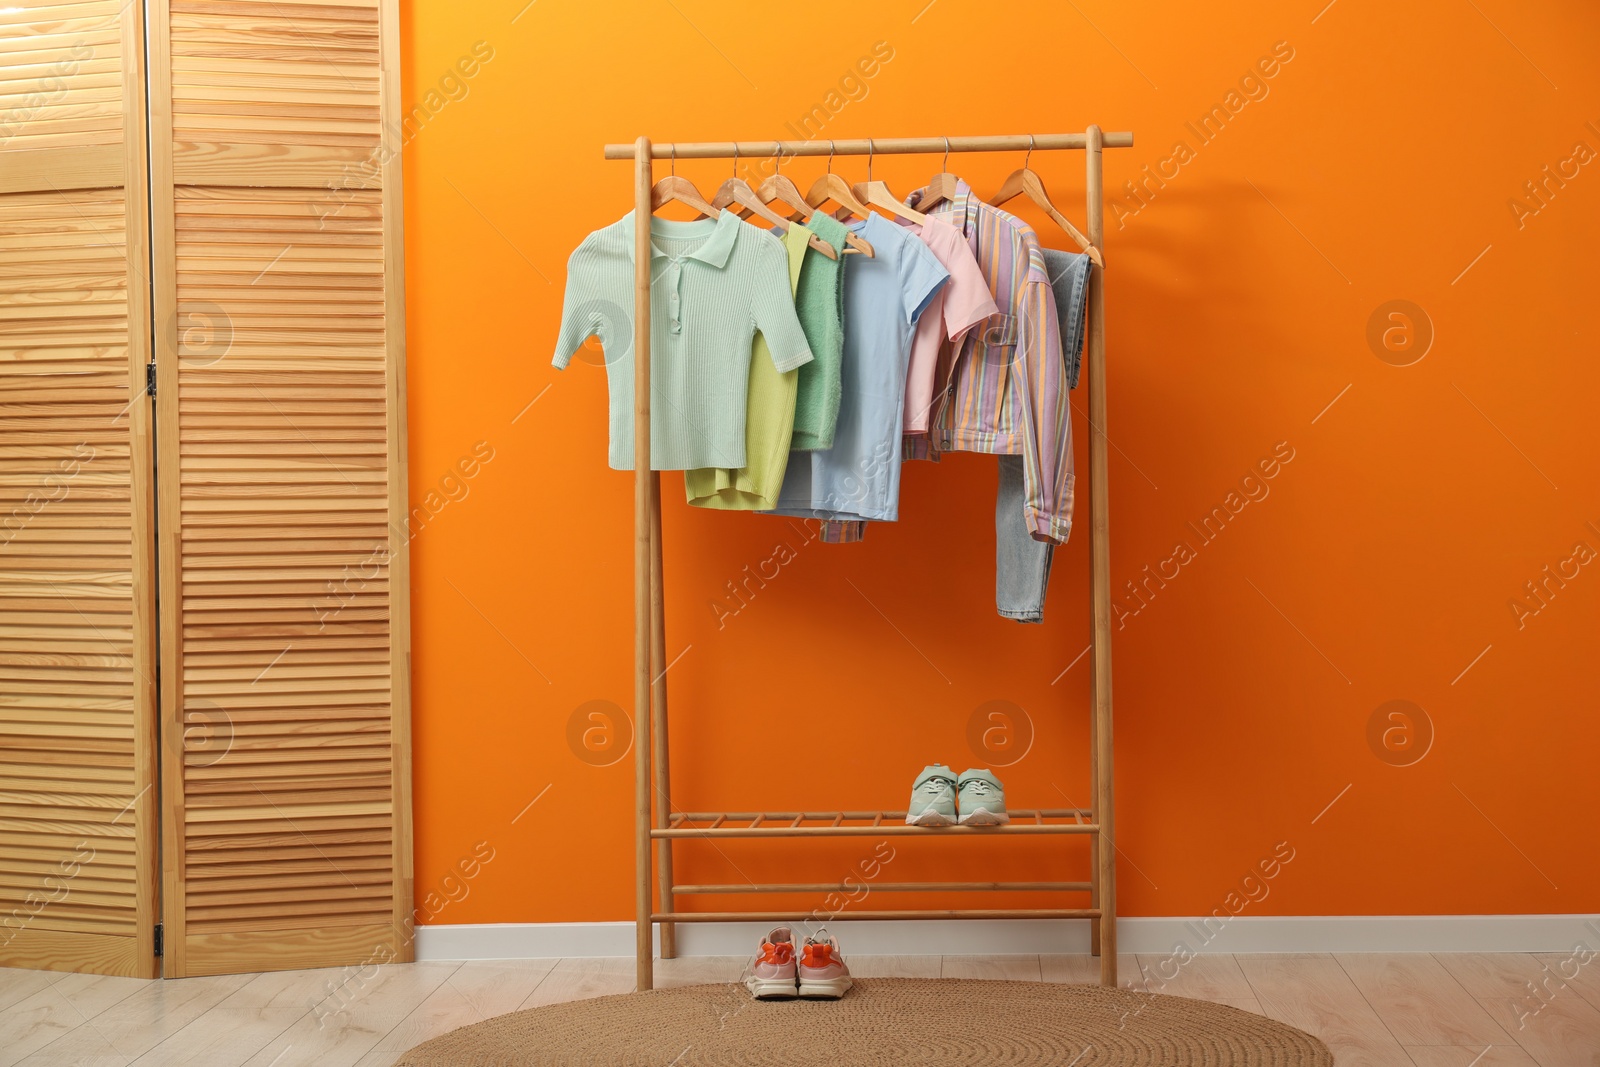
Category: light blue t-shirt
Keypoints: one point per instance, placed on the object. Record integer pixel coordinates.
(859, 477)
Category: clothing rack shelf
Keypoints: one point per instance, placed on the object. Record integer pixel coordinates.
(888, 887)
(916, 913)
(656, 823)
(859, 824)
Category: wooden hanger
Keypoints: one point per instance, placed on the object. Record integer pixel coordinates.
(877, 194)
(781, 190)
(737, 191)
(942, 186)
(682, 190)
(832, 187)
(1025, 181)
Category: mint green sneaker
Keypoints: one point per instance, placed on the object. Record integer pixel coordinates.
(933, 797)
(982, 797)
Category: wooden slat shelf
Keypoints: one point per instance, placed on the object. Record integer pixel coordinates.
(1047, 830)
(1029, 822)
(1017, 814)
(890, 887)
(843, 916)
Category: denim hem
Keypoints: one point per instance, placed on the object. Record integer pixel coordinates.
(1021, 616)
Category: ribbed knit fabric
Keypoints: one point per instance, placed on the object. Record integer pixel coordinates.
(820, 302)
(714, 283)
(769, 421)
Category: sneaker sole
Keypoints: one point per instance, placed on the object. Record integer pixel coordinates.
(930, 818)
(985, 817)
(771, 988)
(825, 988)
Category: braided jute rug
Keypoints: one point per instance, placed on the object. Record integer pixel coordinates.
(882, 1022)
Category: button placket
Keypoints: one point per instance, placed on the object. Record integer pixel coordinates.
(673, 303)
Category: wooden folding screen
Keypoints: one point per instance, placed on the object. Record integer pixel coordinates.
(279, 329)
(77, 662)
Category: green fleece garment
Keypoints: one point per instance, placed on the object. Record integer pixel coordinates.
(819, 303)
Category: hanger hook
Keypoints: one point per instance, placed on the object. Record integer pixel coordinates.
(869, 159)
(736, 159)
(674, 171)
(777, 157)
(1030, 152)
(830, 157)
(946, 165)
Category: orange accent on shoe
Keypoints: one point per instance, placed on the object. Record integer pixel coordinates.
(816, 955)
(778, 954)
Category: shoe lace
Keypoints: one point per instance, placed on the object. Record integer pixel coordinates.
(778, 954)
(936, 786)
(978, 787)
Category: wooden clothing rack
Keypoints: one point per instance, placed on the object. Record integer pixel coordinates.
(666, 824)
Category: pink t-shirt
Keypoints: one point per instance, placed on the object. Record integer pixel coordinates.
(964, 302)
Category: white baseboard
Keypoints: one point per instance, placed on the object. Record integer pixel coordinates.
(1289, 933)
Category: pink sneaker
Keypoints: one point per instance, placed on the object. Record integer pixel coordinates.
(772, 973)
(823, 974)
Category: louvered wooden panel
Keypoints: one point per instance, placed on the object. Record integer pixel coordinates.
(283, 506)
(77, 718)
(64, 87)
(275, 93)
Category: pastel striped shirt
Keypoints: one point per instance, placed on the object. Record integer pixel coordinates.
(1003, 386)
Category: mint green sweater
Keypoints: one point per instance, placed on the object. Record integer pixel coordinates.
(819, 301)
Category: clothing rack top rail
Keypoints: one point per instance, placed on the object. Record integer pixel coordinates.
(863, 146)
(656, 822)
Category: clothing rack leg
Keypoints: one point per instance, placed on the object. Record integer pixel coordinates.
(658, 720)
(1100, 554)
(1094, 804)
(1091, 162)
(644, 504)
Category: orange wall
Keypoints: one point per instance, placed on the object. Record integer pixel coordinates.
(1382, 162)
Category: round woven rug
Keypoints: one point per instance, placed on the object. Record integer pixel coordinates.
(879, 1023)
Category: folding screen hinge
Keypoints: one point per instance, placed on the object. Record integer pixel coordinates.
(150, 387)
(158, 940)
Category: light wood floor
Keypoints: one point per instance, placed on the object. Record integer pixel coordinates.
(1412, 1010)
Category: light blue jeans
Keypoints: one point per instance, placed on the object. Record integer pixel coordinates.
(1021, 564)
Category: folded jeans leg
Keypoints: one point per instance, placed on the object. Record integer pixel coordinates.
(1021, 565)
